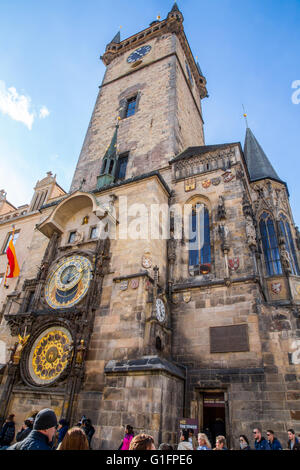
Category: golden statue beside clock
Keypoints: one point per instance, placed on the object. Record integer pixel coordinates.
(68, 281)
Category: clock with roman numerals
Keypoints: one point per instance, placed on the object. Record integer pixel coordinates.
(138, 54)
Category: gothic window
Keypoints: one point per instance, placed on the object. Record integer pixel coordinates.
(121, 167)
(270, 245)
(111, 167)
(94, 232)
(130, 107)
(199, 242)
(289, 244)
(8, 238)
(72, 237)
(158, 343)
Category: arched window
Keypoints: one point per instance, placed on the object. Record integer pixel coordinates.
(270, 245)
(199, 241)
(289, 243)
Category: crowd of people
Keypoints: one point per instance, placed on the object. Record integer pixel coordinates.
(42, 431)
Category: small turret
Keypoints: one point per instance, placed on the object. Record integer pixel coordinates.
(175, 13)
(258, 164)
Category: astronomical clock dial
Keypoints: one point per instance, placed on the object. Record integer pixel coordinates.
(50, 355)
(160, 310)
(68, 282)
(138, 54)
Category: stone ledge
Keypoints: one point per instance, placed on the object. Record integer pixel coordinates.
(145, 364)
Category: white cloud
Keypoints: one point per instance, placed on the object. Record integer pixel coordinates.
(16, 106)
(44, 112)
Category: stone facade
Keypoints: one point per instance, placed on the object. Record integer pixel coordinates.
(227, 343)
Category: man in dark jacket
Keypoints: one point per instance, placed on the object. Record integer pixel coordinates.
(273, 441)
(293, 442)
(25, 430)
(63, 426)
(260, 442)
(7, 432)
(88, 429)
(41, 436)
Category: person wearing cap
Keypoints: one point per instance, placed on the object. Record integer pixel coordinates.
(25, 430)
(41, 436)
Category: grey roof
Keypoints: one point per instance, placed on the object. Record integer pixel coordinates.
(192, 151)
(117, 38)
(258, 164)
(145, 364)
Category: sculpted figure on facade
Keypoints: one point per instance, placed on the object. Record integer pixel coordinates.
(285, 259)
(250, 232)
(221, 209)
(224, 235)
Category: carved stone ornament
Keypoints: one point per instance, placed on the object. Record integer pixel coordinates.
(221, 209)
(224, 236)
(216, 181)
(186, 297)
(190, 184)
(250, 232)
(206, 184)
(276, 287)
(234, 263)
(297, 238)
(123, 285)
(285, 259)
(134, 283)
(147, 260)
(175, 299)
(78, 238)
(297, 289)
(228, 176)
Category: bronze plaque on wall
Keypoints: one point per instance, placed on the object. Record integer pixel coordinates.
(233, 338)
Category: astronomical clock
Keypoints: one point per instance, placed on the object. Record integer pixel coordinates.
(49, 355)
(50, 350)
(68, 282)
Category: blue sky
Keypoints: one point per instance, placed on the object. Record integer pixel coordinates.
(50, 72)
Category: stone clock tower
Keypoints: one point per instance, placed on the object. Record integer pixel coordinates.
(155, 73)
(120, 316)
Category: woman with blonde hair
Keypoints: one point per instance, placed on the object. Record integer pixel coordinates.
(204, 443)
(75, 439)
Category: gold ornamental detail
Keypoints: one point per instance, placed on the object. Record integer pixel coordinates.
(51, 355)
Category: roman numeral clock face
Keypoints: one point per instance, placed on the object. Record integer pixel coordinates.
(68, 282)
(138, 54)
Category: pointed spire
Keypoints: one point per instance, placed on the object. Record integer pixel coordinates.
(175, 13)
(111, 151)
(199, 69)
(258, 164)
(117, 38)
(175, 7)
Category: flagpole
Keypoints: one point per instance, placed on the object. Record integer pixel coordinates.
(7, 267)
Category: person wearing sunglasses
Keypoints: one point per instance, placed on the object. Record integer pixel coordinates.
(260, 442)
(273, 441)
